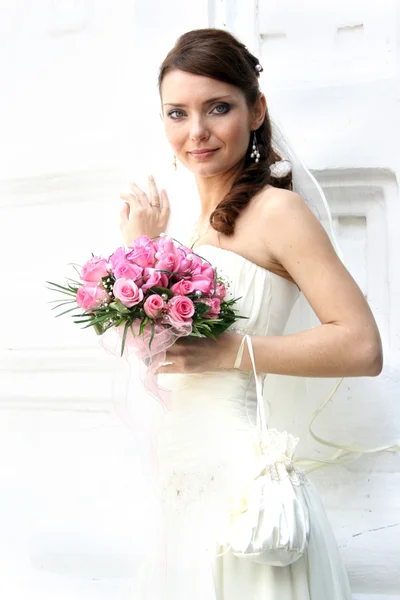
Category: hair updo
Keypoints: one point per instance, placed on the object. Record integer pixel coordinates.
(218, 54)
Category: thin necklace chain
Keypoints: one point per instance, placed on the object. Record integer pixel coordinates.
(198, 233)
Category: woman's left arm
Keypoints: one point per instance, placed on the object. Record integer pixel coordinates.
(347, 343)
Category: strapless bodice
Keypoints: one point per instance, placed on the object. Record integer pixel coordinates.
(264, 297)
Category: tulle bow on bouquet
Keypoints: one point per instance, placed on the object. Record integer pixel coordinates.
(149, 294)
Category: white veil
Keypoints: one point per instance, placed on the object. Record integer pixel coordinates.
(297, 403)
(291, 404)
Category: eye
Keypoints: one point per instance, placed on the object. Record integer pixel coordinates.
(222, 109)
(175, 114)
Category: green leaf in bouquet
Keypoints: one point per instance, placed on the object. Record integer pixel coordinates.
(124, 337)
(201, 331)
(67, 311)
(219, 328)
(143, 325)
(121, 308)
(56, 287)
(201, 308)
(161, 290)
(98, 328)
(152, 332)
(74, 265)
(78, 283)
(92, 320)
(61, 303)
(195, 332)
(132, 331)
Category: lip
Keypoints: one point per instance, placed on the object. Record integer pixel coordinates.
(203, 152)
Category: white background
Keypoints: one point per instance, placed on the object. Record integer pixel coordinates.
(79, 119)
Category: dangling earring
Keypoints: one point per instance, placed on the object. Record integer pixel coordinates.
(174, 164)
(255, 153)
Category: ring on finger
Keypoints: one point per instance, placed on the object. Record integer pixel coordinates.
(154, 204)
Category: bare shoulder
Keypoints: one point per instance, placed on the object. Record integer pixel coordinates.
(278, 204)
(289, 224)
(296, 239)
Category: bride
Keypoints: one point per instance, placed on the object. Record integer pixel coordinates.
(256, 228)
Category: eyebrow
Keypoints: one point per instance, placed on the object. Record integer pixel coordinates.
(210, 101)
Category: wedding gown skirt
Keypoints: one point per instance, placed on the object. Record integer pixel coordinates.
(206, 458)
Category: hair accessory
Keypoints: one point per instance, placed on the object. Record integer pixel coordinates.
(255, 153)
(280, 168)
(259, 68)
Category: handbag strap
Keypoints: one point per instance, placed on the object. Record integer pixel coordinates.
(345, 452)
(261, 418)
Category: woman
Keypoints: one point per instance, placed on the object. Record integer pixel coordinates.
(271, 247)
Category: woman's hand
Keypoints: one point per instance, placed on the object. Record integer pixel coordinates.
(196, 355)
(141, 215)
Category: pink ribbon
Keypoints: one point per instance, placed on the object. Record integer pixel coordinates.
(150, 355)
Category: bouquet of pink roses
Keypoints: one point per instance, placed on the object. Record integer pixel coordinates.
(154, 285)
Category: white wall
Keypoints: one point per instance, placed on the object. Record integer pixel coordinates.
(79, 111)
(334, 73)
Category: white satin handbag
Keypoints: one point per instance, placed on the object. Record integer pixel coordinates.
(272, 525)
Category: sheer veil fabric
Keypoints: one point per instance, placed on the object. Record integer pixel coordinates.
(298, 397)
(305, 398)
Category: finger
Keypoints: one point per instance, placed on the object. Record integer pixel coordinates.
(131, 199)
(154, 195)
(124, 213)
(141, 196)
(165, 208)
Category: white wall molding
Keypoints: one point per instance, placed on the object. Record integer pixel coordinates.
(365, 203)
(83, 186)
(78, 379)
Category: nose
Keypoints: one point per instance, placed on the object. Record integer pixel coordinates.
(198, 129)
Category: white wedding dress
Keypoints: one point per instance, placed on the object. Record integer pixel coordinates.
(205, 453)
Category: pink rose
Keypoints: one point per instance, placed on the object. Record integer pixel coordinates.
(208, 271)
(128, 292)
(197, 264)
(202, 267)
(182, 288)
(153, 278)
(220, 291)
(165, 245)
(126, 270)
(215, 307)
(203, 283)
(142, 252)
(118, 255)
(153, 306)
(94, 269)
(91, 295)
(169, 262)
(185, 265)
(185, 249)
(143, 241)
(180, 309)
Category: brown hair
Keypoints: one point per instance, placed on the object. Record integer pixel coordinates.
(218, 54)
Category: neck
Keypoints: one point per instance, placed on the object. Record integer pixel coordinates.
(212, 190)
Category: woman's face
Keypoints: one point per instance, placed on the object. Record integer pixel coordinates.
(207, 122)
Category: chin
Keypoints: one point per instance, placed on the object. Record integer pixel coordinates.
(209, 170)
(206, 171)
